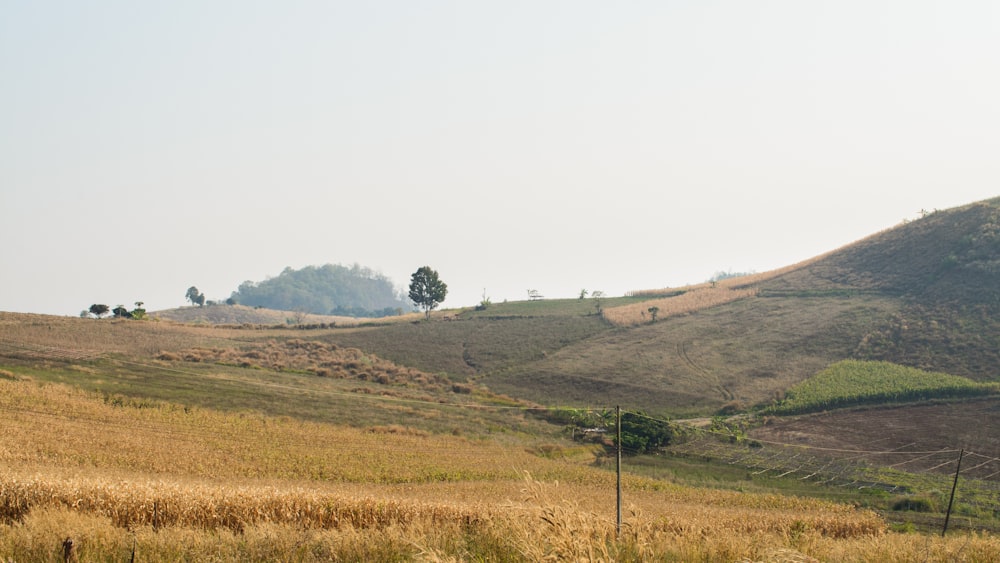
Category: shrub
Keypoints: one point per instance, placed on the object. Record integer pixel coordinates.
(914, 504)
(731, 408)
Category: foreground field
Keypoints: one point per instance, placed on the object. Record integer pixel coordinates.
(165, 483)
(151, 441)
(540, 521)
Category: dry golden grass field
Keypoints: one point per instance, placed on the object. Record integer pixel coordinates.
(173, 484)
(92, 475)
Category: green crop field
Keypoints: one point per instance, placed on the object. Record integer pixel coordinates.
(853, 382)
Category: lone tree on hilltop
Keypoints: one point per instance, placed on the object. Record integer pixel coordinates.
(195, 297)
(427, 290)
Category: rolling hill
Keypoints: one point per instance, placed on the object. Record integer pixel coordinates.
(924, 294)
(274, 425)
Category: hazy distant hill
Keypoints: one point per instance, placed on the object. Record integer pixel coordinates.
(327, 290)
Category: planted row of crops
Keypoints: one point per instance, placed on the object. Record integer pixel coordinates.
(853, 382)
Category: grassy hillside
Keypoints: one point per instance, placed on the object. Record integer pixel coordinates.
(925, 294)
(156, 480)
(943, 272)
(947, 256)
(272, 372)
(745, 352)
(563, 353)
(155, 441)
(473, 344)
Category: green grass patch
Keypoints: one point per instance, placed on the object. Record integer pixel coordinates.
(852, 382)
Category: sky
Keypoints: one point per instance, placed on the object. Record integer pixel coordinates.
(556, 146)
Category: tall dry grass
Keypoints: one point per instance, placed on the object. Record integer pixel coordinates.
(539, 522)
(688, 302)
(740, 282)
(173, 483)
(128, 501)
(690, 298)
(55, 425)
(321, 358)
(223, 481)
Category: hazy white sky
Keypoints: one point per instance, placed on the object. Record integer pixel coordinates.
(149, 146)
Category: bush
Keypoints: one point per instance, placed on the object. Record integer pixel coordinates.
(642, 434)
(914, 504)
(731, 408)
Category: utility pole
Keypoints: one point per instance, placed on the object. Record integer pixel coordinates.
(954, 486)
(618, 467)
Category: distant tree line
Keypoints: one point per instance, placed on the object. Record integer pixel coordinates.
(332, 289)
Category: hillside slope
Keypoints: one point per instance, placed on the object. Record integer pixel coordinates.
(740, 354)
(943, 270)
(950, 256)
(924, 294)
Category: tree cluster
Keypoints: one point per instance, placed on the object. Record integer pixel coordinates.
(120, 312)
(326, 290)
(641, 434)
(195, 297)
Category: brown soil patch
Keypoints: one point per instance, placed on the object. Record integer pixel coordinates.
(971, 425)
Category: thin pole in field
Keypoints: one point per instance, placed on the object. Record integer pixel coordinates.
(618, 465)
(954, 486)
